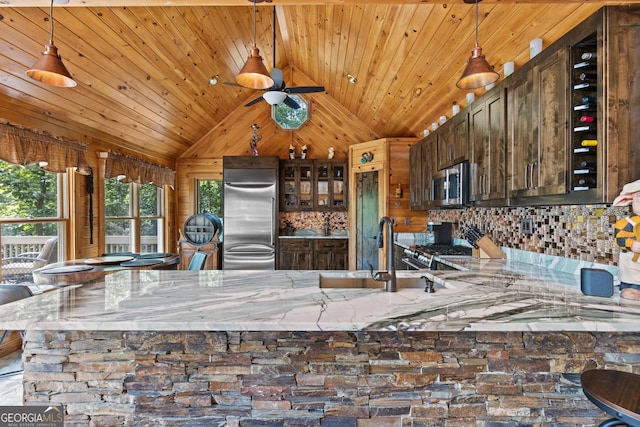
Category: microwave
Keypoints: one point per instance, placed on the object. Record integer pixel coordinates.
(450, 187)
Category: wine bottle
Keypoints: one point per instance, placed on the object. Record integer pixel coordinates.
(589, 55)
(585, 128)
(587, 164)
(587, 119)
(589, 142)
(589, 99)
(587, 181)
(588, 76)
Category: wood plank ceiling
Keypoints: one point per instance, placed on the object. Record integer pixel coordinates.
(143, 66)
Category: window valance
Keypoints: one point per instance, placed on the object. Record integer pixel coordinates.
(136, 170)
(24, 146)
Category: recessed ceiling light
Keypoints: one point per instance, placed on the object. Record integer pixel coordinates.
(61, 1)
(214, 80)
(352, 79)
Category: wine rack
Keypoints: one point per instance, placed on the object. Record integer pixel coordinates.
(584, 115)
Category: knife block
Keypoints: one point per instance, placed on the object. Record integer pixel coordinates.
(487, 249)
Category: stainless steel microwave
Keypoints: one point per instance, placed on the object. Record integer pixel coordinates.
(450, 187)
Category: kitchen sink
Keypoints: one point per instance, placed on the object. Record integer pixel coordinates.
(345, 281)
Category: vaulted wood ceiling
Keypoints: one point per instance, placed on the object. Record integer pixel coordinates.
(143, 66)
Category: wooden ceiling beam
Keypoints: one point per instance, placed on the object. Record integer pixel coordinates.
(182, 3)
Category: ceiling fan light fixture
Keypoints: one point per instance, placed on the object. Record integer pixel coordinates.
(478, 72)
(274, 97)
(49, 68)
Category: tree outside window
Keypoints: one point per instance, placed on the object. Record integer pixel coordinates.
(30, 215)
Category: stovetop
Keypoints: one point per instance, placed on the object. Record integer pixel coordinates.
(440, 249)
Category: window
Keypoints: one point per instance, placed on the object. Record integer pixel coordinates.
(209, 196)
(289, 118)
(30, 216)
(134, 217)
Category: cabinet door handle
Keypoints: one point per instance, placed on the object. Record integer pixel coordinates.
(533, 185)
(526, 175)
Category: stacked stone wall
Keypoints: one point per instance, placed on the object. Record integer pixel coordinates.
(365, 379)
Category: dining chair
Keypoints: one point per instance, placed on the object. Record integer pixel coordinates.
(197, 261)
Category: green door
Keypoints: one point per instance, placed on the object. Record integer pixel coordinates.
(367, 220)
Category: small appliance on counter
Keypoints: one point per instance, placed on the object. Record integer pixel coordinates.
(483, 246)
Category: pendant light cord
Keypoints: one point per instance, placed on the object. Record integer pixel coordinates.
(51, 22)
(255, 25)
(477, 22)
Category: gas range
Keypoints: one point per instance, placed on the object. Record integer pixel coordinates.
(422, 256)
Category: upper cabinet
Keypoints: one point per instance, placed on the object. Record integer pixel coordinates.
(331, 185)
(537, 129)
(313, 185)
(487, 130)
(453, 141)
(296, 180)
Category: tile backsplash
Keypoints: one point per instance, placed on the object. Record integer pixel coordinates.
(582, 232)
(315, 220)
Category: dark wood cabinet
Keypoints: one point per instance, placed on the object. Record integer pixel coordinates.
(297, 183)
(538, 129)
(313, 254)
(429, 150)
(487, 132)
(415, 176)
(331, 254)
(453, 141)
(313, 185)
(295, 254)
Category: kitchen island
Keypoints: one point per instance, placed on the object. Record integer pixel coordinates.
(500, 342)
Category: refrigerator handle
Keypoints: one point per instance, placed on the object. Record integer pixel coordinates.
(273, 221)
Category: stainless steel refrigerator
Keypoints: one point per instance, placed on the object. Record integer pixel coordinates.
(250, 207)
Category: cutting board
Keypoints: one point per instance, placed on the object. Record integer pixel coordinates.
(487, 249)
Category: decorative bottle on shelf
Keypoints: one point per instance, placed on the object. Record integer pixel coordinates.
(589, 142)
(584, 128)
(587, 119)
(589, 99)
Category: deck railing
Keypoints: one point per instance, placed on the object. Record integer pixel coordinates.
(13, 246)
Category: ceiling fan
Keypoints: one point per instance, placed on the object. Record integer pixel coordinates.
(279, 92)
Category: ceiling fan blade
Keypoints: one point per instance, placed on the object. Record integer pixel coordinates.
(290, 102)
(304, 89)
(254, 101)
(276, 75)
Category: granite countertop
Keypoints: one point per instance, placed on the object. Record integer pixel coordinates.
(490, 295)
(314, 233)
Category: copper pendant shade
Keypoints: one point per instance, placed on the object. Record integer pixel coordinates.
(49, 68)
(254, 74)
(478, 72)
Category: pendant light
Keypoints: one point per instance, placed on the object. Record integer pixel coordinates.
(254, 74)
(478, 72)
(49, 68)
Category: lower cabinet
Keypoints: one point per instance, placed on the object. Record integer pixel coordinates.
(331, 254)
(313, 254)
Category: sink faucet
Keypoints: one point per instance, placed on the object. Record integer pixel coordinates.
(386, 276)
